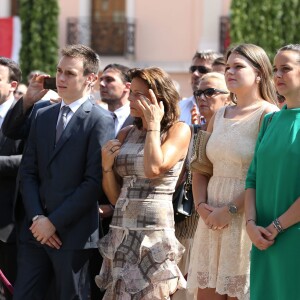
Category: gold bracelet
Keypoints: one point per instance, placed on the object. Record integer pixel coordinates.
(198, 204)
(107, 171)
(249, 220)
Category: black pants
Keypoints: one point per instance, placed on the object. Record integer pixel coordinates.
(37, 264)
(8, 265)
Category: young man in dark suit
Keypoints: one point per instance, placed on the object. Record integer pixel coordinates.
(61, 183)
(10, 158)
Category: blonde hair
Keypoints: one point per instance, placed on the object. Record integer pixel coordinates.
(215, 75)
(260, 61)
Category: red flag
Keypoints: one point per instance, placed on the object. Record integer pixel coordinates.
(10, 37)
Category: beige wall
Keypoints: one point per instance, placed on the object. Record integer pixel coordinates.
(167, 30)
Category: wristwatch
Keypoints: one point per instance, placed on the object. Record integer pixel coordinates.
(35, 218)
(232, 208)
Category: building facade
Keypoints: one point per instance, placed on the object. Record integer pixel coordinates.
(141, 33)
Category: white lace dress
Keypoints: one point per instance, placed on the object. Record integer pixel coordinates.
(220, 259)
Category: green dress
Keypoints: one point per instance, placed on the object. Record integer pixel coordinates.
(275, 174)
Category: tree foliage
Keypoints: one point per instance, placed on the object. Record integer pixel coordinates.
(39, 49)
(270, 24)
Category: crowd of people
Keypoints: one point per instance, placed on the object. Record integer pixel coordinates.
(88, 173)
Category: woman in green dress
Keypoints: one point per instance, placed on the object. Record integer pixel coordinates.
(272, 205)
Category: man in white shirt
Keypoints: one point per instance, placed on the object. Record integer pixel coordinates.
(61, 183)
(114, 91)
(201, 64)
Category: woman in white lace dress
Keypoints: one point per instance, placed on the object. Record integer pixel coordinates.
(219, 265)
(140, 171)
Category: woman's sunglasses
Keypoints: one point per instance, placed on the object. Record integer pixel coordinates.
(208, 93)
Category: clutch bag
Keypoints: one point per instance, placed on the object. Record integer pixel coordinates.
(199, 162)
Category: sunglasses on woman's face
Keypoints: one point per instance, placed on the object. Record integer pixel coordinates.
(200, 69)
(208, 93)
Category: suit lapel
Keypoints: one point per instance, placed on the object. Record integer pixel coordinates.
(2, 139)
(72, 127)
(128, 121)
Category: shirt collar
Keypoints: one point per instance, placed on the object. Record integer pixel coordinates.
(122, 111)
(4, 107)
(74, 105)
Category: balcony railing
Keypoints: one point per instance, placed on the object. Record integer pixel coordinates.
(108, 38)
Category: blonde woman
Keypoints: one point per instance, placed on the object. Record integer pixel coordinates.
(219, 266)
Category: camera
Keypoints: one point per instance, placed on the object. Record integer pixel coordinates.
(50, 83)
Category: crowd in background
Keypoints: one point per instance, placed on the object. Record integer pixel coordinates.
(88, 172)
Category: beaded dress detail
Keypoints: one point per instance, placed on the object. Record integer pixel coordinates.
(140, 250)
(220, 258)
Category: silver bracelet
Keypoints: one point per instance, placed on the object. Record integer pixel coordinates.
(277, 225)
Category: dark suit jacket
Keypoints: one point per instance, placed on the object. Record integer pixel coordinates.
(10, 158)
(63, 182)
(128, 121)
(16, 124)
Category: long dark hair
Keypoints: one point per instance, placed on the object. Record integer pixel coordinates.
(164, 89)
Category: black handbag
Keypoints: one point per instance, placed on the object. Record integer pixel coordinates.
(183, 201)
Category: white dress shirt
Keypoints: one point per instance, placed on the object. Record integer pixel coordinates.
(4, 107)
(73, 106)
(122, 114)
(186, 106)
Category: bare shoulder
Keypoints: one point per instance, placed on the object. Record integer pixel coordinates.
(123, 133)
(180, 129)
(269, 107)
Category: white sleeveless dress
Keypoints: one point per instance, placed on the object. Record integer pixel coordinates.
(220, 259)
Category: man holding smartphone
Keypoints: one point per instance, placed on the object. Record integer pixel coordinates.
(61, 182)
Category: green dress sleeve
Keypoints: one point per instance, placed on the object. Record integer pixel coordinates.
(251, 175)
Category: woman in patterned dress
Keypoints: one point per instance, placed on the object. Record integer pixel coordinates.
(219, 265)
(140, 171)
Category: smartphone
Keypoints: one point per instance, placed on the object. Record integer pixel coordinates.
(50, 83)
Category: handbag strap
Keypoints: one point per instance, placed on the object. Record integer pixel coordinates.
(194, 131)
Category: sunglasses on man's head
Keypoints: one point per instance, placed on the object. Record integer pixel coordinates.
(200, 69)
(208, 93)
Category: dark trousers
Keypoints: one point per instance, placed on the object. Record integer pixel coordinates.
(8, 265)
(37, 264)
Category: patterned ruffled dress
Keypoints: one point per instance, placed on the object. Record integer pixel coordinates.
(140, 250)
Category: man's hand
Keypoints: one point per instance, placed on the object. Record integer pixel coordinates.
(42, 229)
(195, 116)
(54, 241)
(35, 91)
